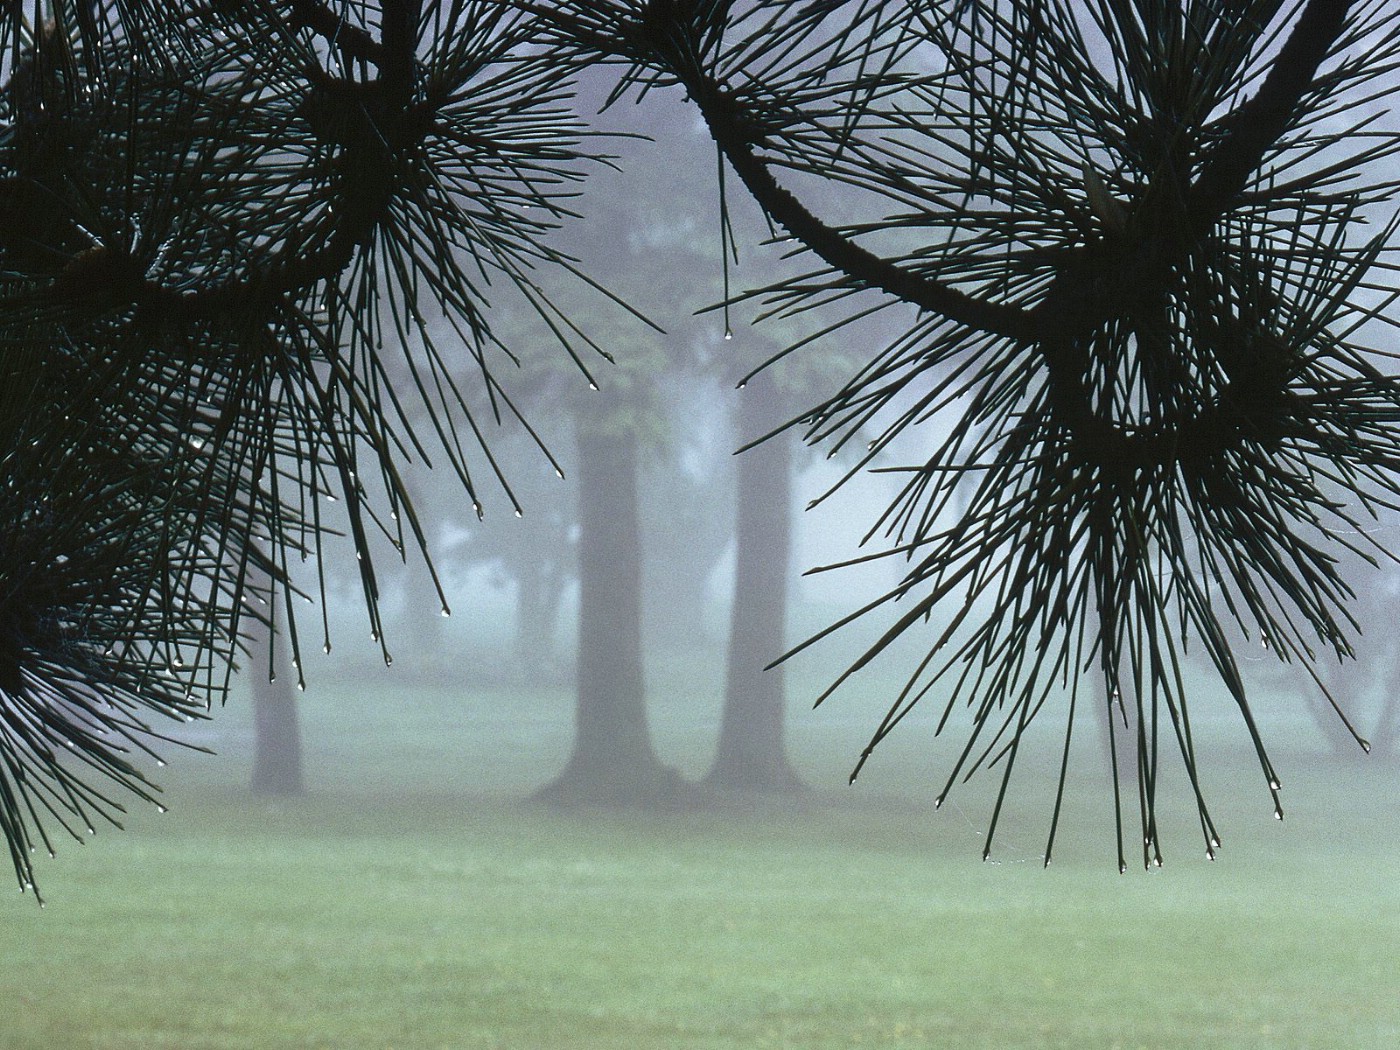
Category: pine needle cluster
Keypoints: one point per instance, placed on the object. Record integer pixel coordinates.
(225, 228)
(1150, 244)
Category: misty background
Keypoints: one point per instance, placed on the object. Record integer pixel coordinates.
(427, 823)
(667, 418)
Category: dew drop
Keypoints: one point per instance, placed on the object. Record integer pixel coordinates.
(160, 762)
(326, 648)
(1210, 854)
(1278, 812)
(519, 513)
(301, 687)
(160, 808)
(1366, 746)
(1274, 785)
(728, 335)
(938, 802)
(374, 636)
(445, 611)
(592, 385)
(558, 473)
(388, 660)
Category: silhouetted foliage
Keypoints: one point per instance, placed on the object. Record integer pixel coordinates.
(1133, 231)
(218, 220)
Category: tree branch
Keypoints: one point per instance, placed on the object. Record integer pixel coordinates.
(351, 41)
(1257, 124)
(839, 251)
(366, 186)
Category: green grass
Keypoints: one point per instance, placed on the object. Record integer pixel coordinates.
(409, 902)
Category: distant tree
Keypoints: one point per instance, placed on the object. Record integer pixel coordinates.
(644, 242)
(685, 532)
(1360, 696)
(537, 557)
(751, 754)
(521, 540)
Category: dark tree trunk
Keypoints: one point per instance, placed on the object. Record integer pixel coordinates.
(752, 754)
(613, 762)
(277, 767)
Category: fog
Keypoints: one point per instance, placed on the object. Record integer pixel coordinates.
(560, 776)
(420, 889)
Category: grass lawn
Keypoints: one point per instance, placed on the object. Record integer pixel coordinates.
(410, 901)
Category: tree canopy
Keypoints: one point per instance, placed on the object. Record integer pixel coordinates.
(1148, 244)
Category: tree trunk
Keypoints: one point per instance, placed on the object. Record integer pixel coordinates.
(752, 753)
(613, 762)
(277, 767)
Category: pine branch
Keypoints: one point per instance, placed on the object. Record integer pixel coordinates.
(1255, 127)
(353, 43)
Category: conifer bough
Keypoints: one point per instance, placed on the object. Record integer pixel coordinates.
(1137, 234)
(1150, 243)
(224, 225)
